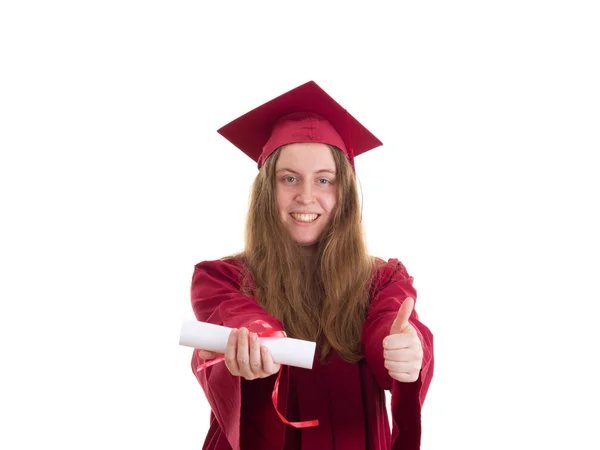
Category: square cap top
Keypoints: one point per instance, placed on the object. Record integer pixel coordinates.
(304, 114)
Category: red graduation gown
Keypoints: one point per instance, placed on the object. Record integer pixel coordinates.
(347, 399)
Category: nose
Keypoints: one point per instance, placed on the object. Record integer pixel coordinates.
(305, 195)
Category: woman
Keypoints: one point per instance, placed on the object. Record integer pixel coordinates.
(305, 272)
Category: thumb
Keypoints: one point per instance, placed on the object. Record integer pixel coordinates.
(205, 354)
(404, 313)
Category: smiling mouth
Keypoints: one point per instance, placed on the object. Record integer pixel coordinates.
(306, 218)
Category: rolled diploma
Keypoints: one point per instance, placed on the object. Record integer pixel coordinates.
(284, 350)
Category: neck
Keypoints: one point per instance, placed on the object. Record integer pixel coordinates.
(308, 250)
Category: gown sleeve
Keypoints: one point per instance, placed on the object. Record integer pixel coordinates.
(392, 285)
(217, 298)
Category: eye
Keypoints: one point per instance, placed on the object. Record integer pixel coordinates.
(289, 179)
(324, 181)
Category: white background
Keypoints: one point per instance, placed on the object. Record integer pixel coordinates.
(114, 183)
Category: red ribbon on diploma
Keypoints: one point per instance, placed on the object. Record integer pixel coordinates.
(268, 332)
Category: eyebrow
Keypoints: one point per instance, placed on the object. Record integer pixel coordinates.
(284, 169)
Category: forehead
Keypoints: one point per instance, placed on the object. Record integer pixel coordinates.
(306, 156)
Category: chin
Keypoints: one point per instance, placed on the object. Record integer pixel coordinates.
(306, 242)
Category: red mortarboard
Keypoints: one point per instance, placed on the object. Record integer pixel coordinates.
(304, 114)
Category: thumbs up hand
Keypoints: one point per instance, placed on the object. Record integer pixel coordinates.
(402, 349)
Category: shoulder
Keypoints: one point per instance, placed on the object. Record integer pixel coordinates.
(231, 268)
(392, 268)
(228, 263)
(388, 272)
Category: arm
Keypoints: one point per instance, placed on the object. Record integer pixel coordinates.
(216, 298)
(392, 285)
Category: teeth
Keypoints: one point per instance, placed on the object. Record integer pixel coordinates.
(305, 217)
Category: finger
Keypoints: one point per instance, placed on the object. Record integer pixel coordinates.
(243, 356)
(231, 353)
(255, 359)
(405, 377)
(409, 367)
(404, 340)
(403, 354)
(404, 313)
(269, 366)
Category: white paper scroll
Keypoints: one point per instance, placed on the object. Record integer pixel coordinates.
(207, 336)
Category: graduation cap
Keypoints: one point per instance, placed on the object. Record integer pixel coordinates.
(304, 114)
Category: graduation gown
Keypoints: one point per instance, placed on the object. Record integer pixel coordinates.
(347, 399)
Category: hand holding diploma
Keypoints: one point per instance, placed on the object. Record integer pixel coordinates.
(246, 359)
(243, 351)
(402, 349)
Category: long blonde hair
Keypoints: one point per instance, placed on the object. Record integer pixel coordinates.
(322, 298)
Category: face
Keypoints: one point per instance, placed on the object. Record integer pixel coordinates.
(306, 190)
